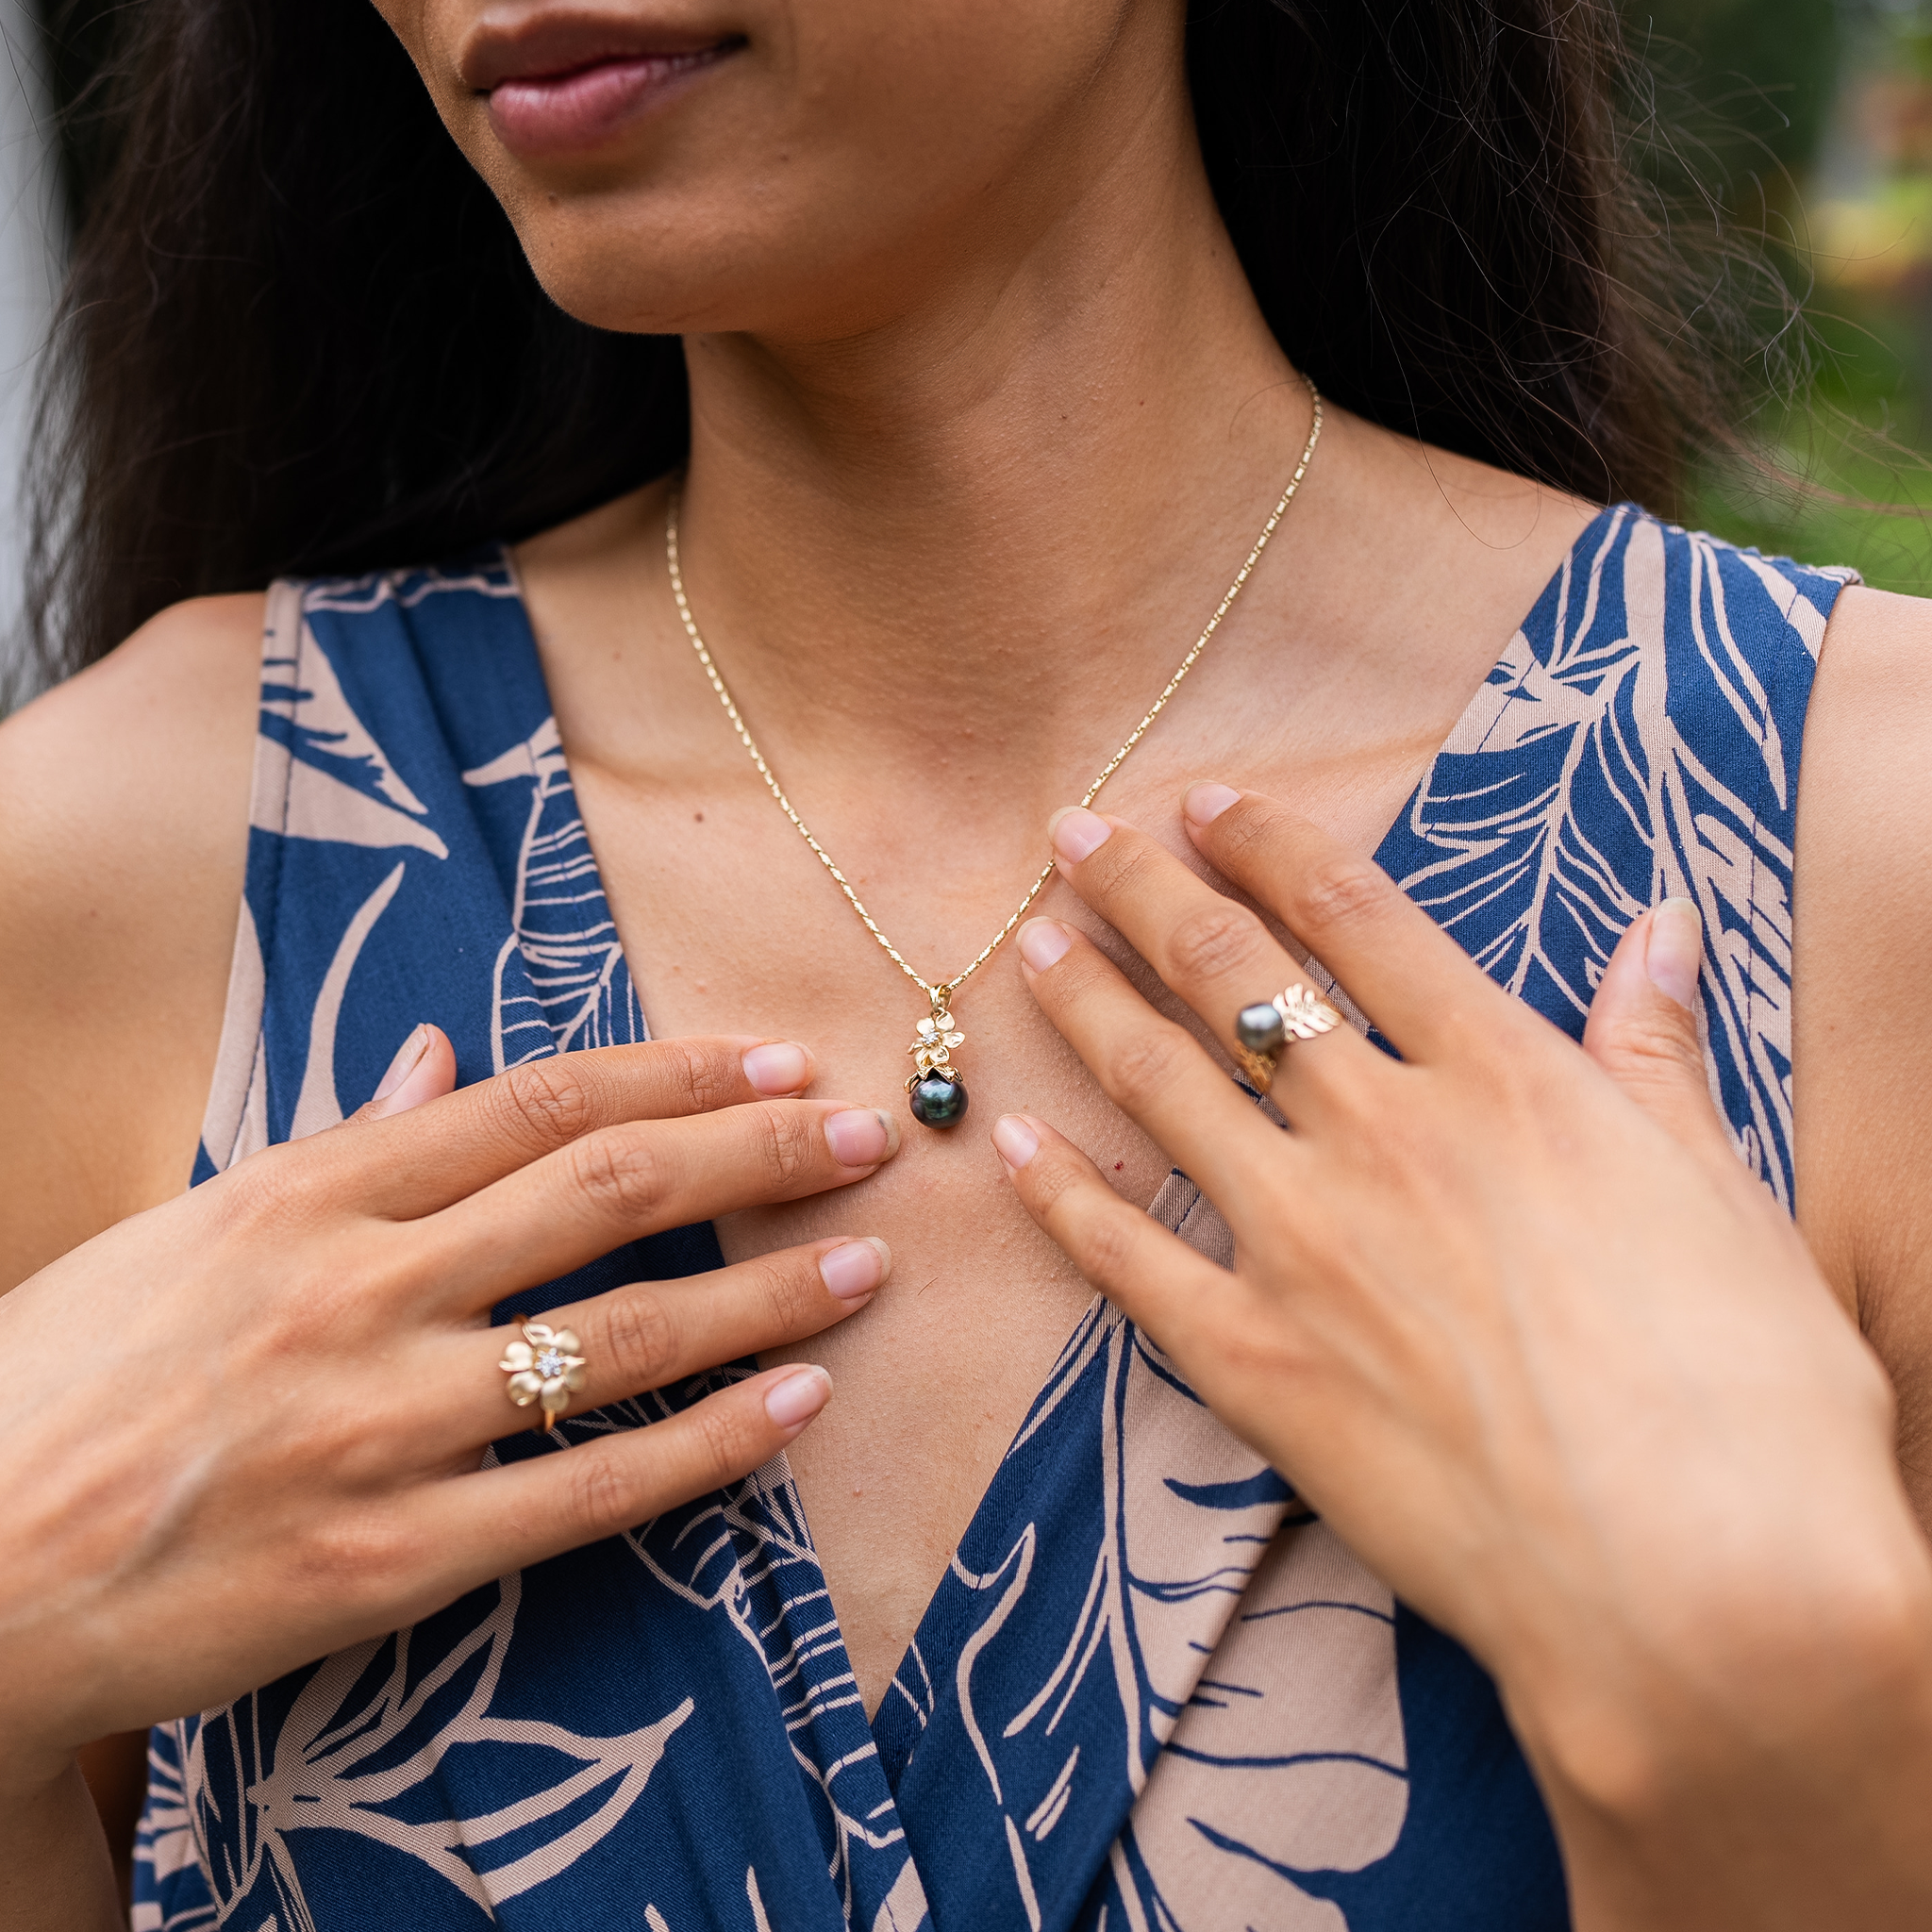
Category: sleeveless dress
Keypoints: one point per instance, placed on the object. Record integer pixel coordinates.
(1152, 1692)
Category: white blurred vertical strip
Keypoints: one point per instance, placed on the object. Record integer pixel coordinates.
(31, 247)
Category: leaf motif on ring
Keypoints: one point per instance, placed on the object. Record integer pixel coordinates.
(1304, 1012)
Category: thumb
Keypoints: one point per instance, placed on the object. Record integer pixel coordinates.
(1642, 1027)
(425, 1068)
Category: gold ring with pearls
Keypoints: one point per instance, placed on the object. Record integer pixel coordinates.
(1263, 1031)
(545, 1368)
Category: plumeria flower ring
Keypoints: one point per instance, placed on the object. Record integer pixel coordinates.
(934, 1047)
(544, 1367)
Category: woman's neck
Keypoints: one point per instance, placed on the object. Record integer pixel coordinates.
(996, 513)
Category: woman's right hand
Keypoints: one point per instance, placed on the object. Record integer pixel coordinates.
(246, 1429)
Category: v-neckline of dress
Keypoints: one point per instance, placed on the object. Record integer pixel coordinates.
(596, 900)
(1144, 1647)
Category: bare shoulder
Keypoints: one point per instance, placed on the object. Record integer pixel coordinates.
(123, 798)
(579, 577)
(611, 529)
(1476, 544)
(1877, 642)
(1864, 859)
(1862, 1049)
(1464, 507)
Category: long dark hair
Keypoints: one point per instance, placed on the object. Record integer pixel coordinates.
(299, 335)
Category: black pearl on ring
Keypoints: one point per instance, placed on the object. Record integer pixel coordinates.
(1261, 1028)
(938, 1103)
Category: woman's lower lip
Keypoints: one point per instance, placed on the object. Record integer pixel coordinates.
(565, 113)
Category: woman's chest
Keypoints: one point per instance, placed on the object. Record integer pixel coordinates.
(731, 925)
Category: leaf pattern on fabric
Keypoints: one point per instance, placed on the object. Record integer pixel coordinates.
(575, 990)
(369, 1730)
(1152, 1692)
(1637, 741)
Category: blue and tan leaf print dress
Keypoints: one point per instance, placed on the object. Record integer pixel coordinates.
(1152, 1692)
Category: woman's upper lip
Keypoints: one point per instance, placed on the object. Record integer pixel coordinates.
(555, 43)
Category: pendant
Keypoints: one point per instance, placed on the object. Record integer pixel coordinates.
(937, 1091)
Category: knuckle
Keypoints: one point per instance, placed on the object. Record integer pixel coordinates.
(1048, 1182)
(363, 1559)
(1140, 1069)
(622, 1174)
(1242, 833)
(1260, 1349)
(1341, 891)
(728, 1436)
(1215, 940)
(1516, 1088)
(641, 1339)
(600, 1497)
(1649, 1048)
(544, 1101)
(1132, 865)
(788, 1293)
(1645, 1064)
(703, 1082)
(286, 1188)
(787, 1145)
(248, 1191)
(1105, 1248)
(313, 1314)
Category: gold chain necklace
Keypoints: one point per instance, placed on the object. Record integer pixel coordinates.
(938, 1094)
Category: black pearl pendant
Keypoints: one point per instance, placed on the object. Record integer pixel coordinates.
(938, 1103)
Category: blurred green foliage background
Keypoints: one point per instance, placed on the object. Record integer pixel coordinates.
(1810, 122)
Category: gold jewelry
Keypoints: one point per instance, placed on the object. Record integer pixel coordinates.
(938, 1094)
(1262, 1032)
(544, 1367)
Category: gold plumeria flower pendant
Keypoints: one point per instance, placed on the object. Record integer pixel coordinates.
(544, 1367)
(938, 1094)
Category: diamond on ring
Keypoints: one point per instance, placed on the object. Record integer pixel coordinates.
(544, 1367)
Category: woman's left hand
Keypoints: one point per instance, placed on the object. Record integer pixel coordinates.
(1512, 1316)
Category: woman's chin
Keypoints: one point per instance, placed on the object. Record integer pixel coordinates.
(635, 257)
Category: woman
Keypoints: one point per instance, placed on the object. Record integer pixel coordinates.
(1604, 1596)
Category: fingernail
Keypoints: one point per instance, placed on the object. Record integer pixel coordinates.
(795, 1401)
(1043, 943)
(1203, 804)
(411, 1049)
(1076, 833)
(1675, 950)
(857, 1268)
(1014, 1141)
(779, 1066)
(862, 1138)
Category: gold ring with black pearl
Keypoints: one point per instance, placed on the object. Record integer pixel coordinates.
(1263, 1032)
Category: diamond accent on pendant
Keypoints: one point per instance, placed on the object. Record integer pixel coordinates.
(932, 1048)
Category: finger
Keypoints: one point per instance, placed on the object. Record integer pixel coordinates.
(1418, 985)
(645, 1336)
(622, 1183)
(1150, 1275)
(1211, 950)
(1153, 1071)
(447, 1148)
(425, 1068)
(507, 1518)
(1642, 1028)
